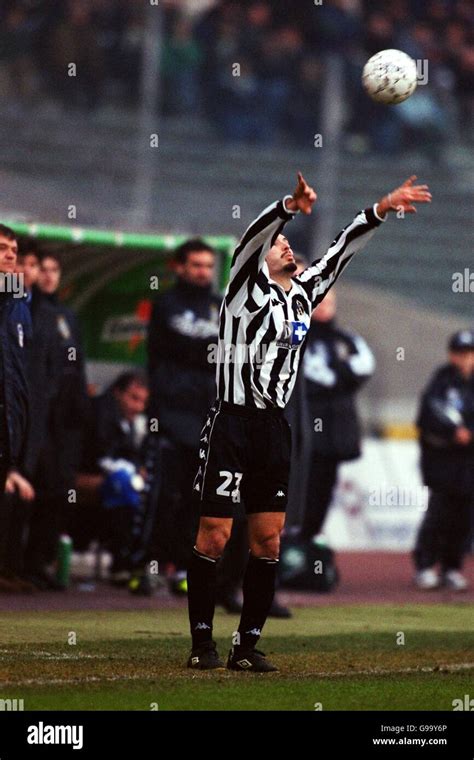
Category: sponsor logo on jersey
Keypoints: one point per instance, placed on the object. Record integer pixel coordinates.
(292, 335)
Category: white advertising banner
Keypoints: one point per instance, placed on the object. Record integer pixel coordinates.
(379, 500)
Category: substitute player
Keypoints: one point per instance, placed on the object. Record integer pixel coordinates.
(245, 442)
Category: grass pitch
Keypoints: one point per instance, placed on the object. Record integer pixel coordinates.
(332, 658)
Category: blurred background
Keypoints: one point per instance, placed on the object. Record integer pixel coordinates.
(156, 133)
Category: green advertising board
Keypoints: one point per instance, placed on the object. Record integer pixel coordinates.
(111, 280)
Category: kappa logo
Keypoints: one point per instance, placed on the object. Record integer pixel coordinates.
(197, 487)
(255, 631)
(202, 627)
(205, 439)
(202, 454)
(194, 660)
(280, 493)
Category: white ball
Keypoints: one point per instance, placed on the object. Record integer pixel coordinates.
(390, 76)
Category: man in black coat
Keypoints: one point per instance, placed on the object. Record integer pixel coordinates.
(59, 458)
(336, 364)
(182, 331)
(44, 369)
(15, 335)
(446, 425)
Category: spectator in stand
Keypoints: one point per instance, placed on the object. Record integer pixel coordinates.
(202, 41)
(75, 42)
(465, 92)
(446, 425)
(180, 69)
(16, 66)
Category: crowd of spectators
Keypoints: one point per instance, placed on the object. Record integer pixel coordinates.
(253, 68)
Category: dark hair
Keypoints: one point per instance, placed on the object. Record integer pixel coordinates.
(29, 246)
(7, 232)
(49, 255)
(191, 246)
(126, 379)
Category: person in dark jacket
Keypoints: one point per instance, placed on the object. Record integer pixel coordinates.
(113, 461)
(59, 458)
(44, 369)
(44, 356)
(15, 334)
(446, 425)
(182, 330)
(336, 364)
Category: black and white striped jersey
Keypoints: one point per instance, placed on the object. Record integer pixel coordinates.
(262, 327)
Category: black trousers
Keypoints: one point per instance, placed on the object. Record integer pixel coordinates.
(177, 515)
(444, 532)
(321, 481)
(5, 515)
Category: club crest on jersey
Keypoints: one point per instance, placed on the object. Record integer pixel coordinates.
(299, 307)
(292, 334)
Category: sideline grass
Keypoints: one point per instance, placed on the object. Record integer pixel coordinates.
(345, 658)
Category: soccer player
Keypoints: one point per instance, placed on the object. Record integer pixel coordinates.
(245, 442)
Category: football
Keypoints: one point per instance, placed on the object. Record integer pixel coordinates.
(389, 77)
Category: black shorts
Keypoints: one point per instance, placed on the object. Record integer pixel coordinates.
(244, 454)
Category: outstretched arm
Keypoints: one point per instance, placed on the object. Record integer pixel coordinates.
(318, 278)
(250, 254)
(403, 198)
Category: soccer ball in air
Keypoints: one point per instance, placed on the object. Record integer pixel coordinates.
(389, 76)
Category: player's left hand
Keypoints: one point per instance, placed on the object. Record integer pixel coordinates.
(403, 197)
(303, 198)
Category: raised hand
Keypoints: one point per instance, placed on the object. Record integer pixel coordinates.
(303, 198)
(403, 197)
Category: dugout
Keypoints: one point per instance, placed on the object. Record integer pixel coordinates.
(110, 279)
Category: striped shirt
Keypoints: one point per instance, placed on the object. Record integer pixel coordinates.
(262, 326)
